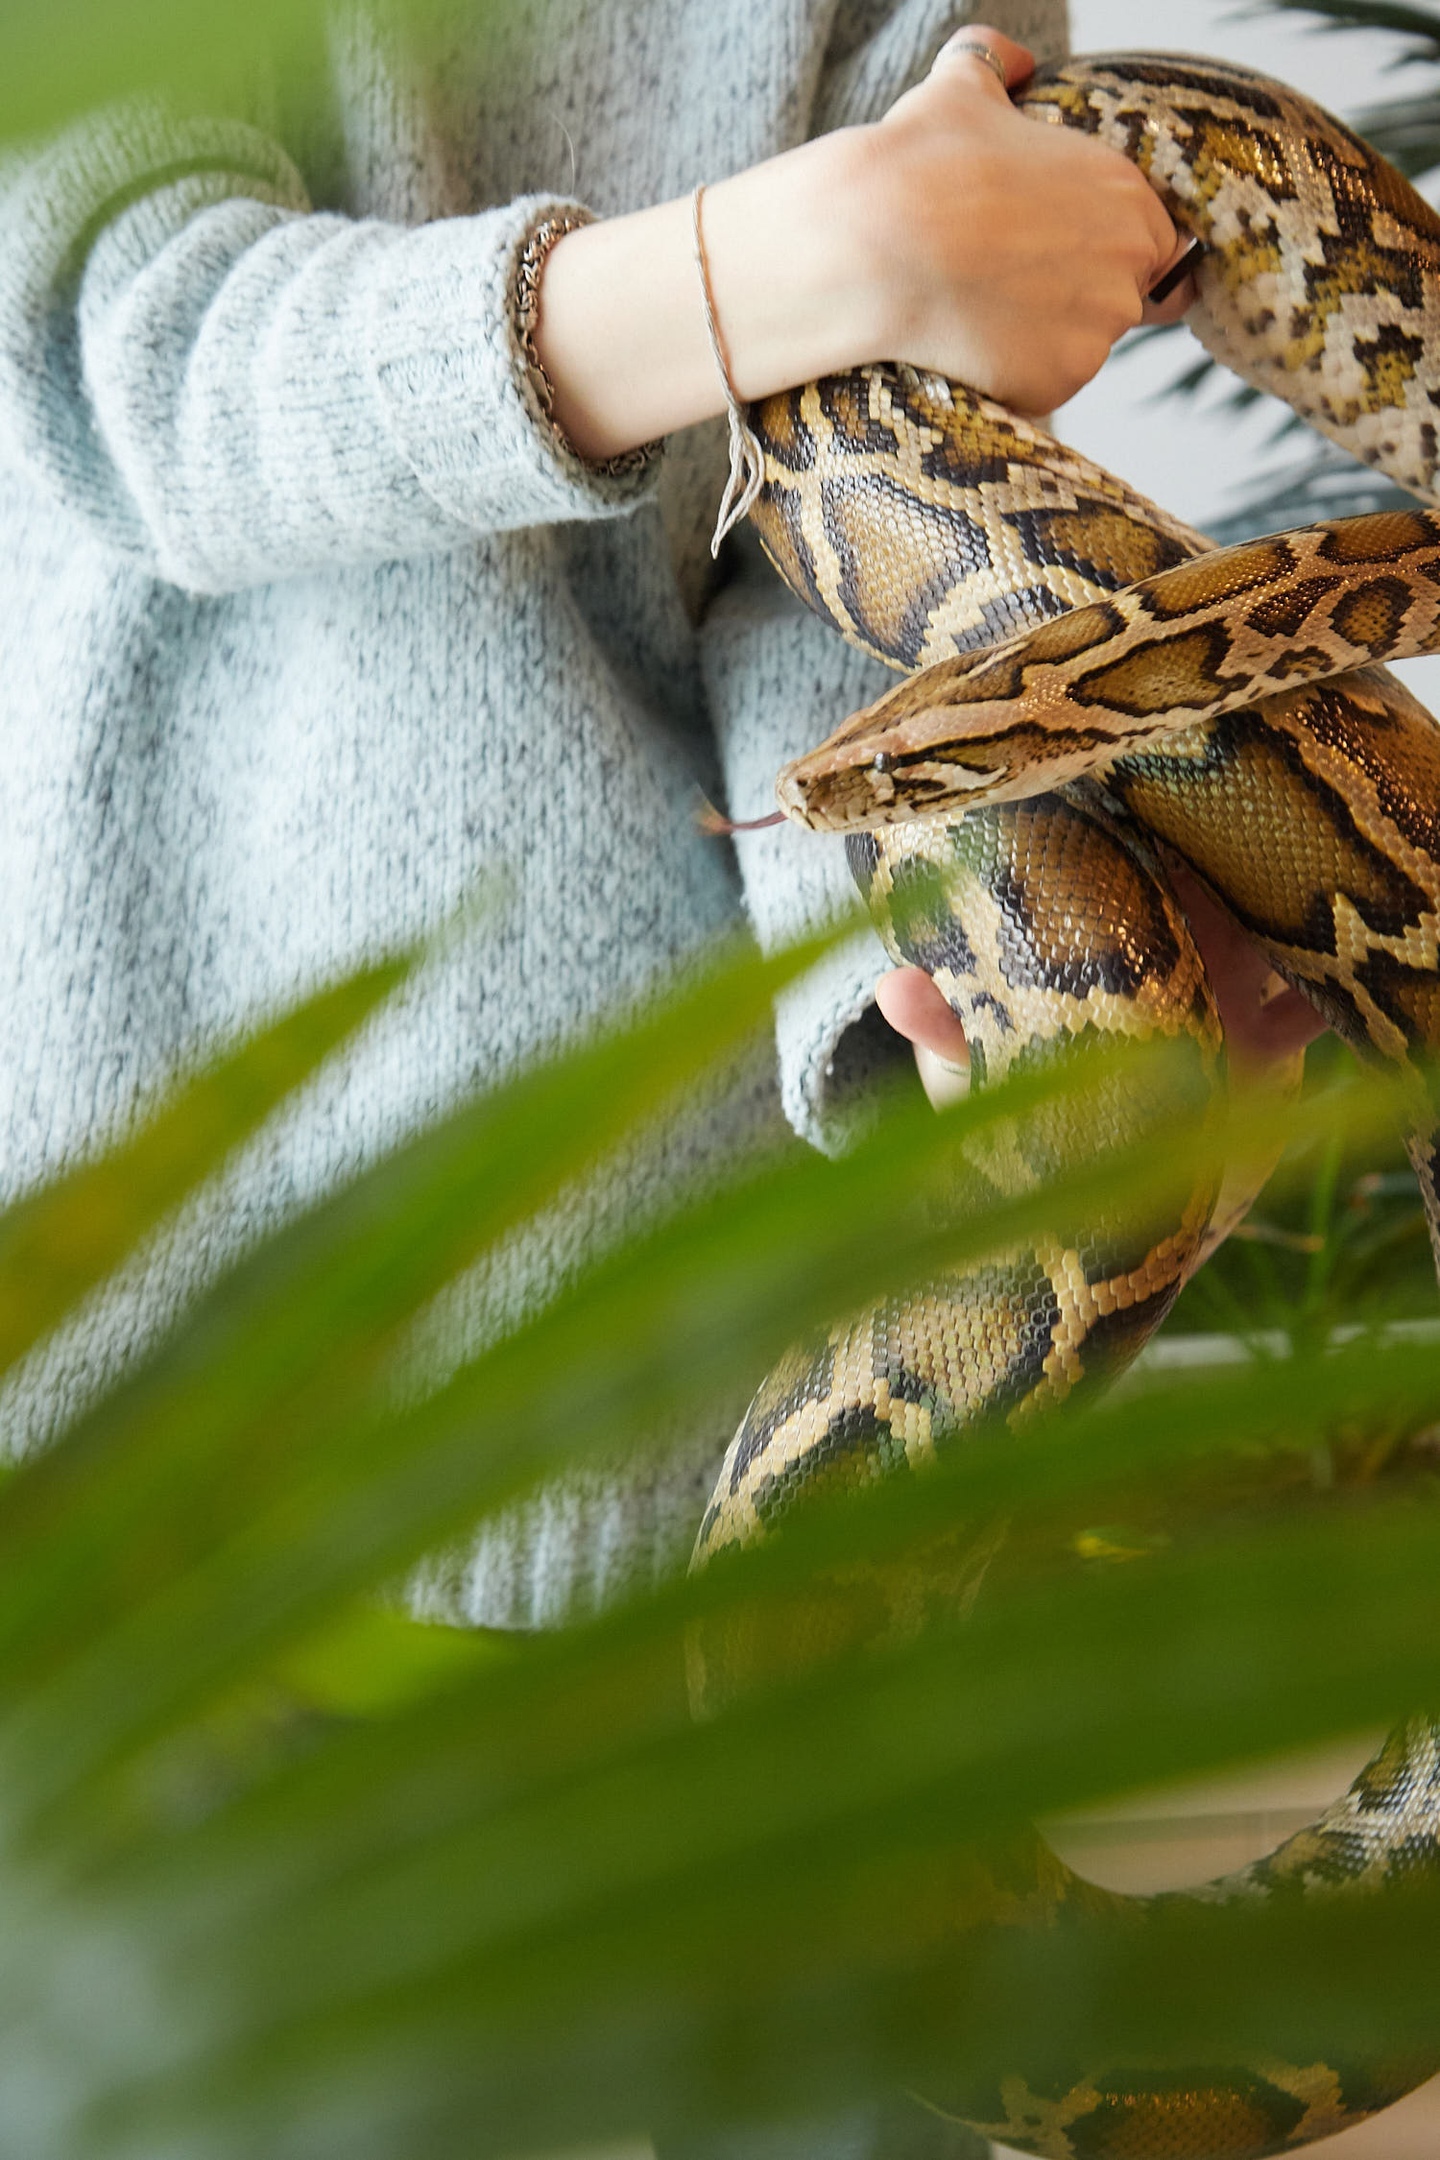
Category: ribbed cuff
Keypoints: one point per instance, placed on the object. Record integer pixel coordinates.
(778, 681)
(838, 1057)
(454, 380)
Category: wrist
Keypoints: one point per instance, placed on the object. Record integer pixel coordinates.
(621, 328)
(863, 200)
(918, 239)
(796, 293)
(620, 333)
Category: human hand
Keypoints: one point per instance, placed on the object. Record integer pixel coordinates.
(910, 1000)
(953, 233)
(1003, 253)
(1265, 1022)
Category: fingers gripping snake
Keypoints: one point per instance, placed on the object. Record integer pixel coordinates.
(1088, 685)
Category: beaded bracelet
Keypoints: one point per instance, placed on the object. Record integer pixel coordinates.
(529, 270)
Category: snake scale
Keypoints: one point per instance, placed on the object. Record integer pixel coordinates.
(1088, 686)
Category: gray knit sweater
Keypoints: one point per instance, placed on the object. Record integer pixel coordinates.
(309, 618)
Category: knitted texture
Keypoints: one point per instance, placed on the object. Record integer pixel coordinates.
(311, 621)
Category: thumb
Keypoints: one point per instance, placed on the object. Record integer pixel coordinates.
(994, 61)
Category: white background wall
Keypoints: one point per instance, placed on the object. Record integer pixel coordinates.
(1199, 463)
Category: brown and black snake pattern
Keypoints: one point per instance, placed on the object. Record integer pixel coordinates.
(1089, 685)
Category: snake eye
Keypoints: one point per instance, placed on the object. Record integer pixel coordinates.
(880, 762)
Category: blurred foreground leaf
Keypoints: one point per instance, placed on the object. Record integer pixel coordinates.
(61, 61)
(285, 1874)
(56, 1246)
(583, 1914)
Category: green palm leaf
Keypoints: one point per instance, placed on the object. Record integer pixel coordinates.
(1414, 21)
(529, 1888)
(56, 1246)
(64, 61)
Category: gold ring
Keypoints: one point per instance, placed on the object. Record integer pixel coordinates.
(982, 51)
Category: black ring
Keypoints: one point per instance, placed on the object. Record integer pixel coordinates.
(1177, 271)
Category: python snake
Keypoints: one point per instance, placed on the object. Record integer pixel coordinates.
(1089, 686)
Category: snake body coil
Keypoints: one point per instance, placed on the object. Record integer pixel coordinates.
(1088, 687)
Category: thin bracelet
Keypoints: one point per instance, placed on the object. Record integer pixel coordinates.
(747, 459)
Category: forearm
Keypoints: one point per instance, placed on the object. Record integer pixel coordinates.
(622, 332)
(954, 234)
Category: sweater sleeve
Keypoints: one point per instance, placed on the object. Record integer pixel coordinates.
(779, 680)
(231, 387)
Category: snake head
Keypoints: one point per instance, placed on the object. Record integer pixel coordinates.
(932, 746)
(842, 787)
